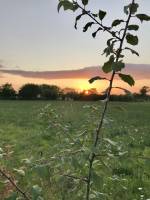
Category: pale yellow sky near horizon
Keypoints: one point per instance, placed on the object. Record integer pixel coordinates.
(78, 84)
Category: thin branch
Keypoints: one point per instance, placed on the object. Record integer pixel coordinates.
(128, 156)
(120, 88)
(97, 22)
(98, 131)
(75, 177)
(57, 157)
(14, 185)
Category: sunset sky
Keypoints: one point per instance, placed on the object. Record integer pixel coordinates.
(34, 37)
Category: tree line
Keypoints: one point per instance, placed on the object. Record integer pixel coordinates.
(32, 91)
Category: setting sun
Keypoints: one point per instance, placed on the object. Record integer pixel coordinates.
(86, 92)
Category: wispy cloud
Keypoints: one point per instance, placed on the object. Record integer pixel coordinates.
(62, 74)
(138, 71)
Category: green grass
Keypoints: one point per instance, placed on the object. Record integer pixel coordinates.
(24, 134)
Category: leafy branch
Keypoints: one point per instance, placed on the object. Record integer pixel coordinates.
(115, 64)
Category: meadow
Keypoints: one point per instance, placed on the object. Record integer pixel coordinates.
(27, 138)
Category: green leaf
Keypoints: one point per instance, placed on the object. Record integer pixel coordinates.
(95, 33)
(110, 141)
(101, 14)
(127, 78)
(92, 196)
(131, 39)
(1, 150)
(12, 197)
(143, 17)
(42, 170)
(117, 22)
(75, 163)
(27, 160)
(20, 171)
(96, 78)
(121, 56)
(107, 67)
(126, 10)
(36, 192)
(118, 66)
(131, 7)
(123, 153)
(37, 189)
(113, 33)
(133, 27)
(89, 24)
(110, 47)
(110, 155)
(85, 2)
(95, 15)
(132, 51)
(67, 5)
(109, 41)
(97, 180)
(77, 19)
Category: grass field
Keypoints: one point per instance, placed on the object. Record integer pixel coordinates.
(25, 133)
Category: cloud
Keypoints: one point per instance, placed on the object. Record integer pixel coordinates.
(1, 66)
(138, 71)
(62, 74)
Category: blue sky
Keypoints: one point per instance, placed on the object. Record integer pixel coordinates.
(34, 36)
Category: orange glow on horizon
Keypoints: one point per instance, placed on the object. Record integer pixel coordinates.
(86, 92)
(83, 85)
(79, 85)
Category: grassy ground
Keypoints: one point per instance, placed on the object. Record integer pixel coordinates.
(22, 135)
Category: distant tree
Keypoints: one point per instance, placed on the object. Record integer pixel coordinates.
(92, 91)
(90, 95)
(68, 90)
(89, 91)
(144, 91)
(70, 94)
(7, 91)
(29, 91)
(122, 97)
(73, 96)
(49, 91)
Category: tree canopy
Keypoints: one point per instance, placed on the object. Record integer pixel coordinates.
(7, 91)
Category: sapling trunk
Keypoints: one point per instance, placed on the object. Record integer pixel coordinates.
(98, 131)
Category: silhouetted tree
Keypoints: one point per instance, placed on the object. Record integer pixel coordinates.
(73, 96)
(68, 90)
(7, 91)
(144, 91)
(49, 91)
(29, 91)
